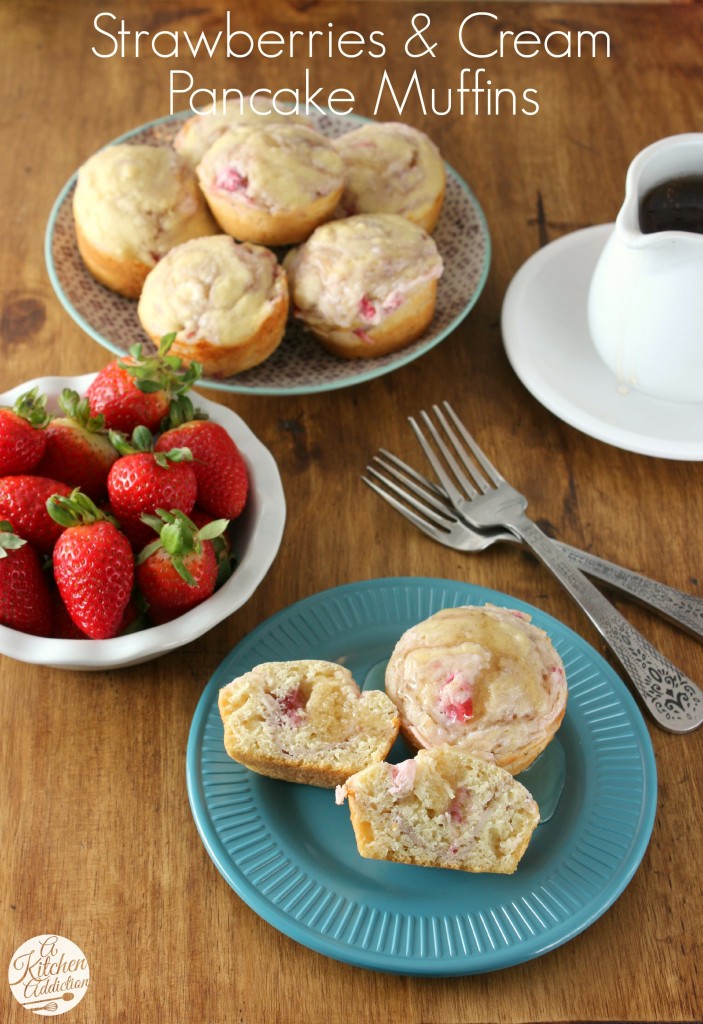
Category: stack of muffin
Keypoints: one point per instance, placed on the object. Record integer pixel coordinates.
(250, 218)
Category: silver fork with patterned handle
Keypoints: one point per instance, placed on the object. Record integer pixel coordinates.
(487, 501)
(426, 505)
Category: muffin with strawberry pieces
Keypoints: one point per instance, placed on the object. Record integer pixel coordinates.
(220, 470)
(201, 131)
(131, 205)
(140, 389)
(305, 721)
(390, 167)
(365, 286)
(482, 679)
(179, 569)
(22, 437)
(443, 809)
(226, 303)
(25, 598)
(271, 184)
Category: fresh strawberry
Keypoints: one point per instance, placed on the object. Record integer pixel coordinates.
(23, 501)
(78, 449)
(177, 571)
(220, 470)
(138, 390)
(63, 626)
(93, 566)
(25, 599)
(143, 480)
(22, 438)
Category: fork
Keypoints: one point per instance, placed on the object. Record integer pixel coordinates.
(487, 501)
(427, 506)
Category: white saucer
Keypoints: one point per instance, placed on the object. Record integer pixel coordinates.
(546, 338)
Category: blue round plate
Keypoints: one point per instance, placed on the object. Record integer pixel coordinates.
(289, 851)
(299, 365)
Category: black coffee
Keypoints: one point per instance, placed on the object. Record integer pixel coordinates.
(675, 205)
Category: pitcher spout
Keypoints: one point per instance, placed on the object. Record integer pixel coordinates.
(664, 195)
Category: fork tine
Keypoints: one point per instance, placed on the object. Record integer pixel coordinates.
(449, 455)
(431, 495)
(440, 515)
(483, 459)
(437, 530)
(453, 492)
(468, 463)
(408, 471)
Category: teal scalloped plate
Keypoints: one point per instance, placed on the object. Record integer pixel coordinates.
(289, 851)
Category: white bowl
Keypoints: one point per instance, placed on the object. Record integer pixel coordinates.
(257, 539)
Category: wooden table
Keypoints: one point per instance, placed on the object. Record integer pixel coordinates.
(98, 841)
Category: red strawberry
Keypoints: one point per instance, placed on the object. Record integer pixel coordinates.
(63, 626)
(223, 480)
(25, 599)
(22, 438)
(143, 480)
(93, 566)
(23, 502)
(78, 450)
(177, 571)
(138, 390)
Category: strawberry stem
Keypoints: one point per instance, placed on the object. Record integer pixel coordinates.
(78, 409)
(180, 411)
(31, 406)
(9, 541)
(179, 537)
(161, 372)
(142, 440)
(76, 510)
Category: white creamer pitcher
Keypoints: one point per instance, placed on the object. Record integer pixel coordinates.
(645, 303)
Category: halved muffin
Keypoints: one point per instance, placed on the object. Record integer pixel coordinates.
(443, 809)
(305, 721)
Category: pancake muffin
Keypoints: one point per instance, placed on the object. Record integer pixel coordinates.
(482, 679)
(442, 809)
(366, 285)
(391, 167)
(132, 204)
(305, 721)
(226, 302)
(271, 184)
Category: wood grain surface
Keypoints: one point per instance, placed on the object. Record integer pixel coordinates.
(98, 840)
